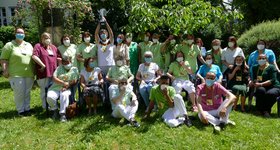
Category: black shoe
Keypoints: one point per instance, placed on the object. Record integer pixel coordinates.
(22, 114)
(222, 125)
(188, 122)
(134, 123)
(28, 113)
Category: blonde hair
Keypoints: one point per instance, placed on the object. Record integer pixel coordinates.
(45, 34)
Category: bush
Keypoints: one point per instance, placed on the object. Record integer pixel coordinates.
(7, 34)
(268, 31)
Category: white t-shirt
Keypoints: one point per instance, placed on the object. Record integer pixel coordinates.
(105, 55)
(148, 73)
(229, 55)
(91, 77)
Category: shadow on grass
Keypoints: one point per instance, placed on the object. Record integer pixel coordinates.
(4, 85)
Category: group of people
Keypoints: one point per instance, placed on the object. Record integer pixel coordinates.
(160, 72)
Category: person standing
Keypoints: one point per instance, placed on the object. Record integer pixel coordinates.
(144, 46)
(68, 49)
(19, 68)
(46, 56)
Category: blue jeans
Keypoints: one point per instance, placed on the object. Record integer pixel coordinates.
(145, 92)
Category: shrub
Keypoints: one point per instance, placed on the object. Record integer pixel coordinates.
(7, 33)
(268, 31)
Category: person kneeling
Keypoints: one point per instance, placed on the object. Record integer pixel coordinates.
(64, 77)
(212, 109)
(124, 103)
(167, 100)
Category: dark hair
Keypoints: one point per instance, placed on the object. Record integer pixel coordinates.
(208, 54)
(164, 77)
(179, 52)
(122, 37)
(233, 39)
(86, 62)
(262, 41)
(200, 41)
(64, 36)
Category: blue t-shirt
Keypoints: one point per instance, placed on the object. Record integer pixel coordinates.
(253, 58)
(204, 69)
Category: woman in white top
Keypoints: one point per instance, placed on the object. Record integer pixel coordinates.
(230, 53)
(105, 44)
(91, 81)
(148, 73)
(122, 50)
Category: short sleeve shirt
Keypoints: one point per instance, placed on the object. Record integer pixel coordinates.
(211, 99)
(155, 49)
(157, 96)
(91, 77)
(178, 71)
(126, 100)
(253, 58)
(122, 50)
(48, 57)
(191, 54)
(87, 51)
(229, 55)
(19, 59)
(69, 52)
(148, 73)
(116, 72)
(204, 69)
(144, 47)
(65, 75)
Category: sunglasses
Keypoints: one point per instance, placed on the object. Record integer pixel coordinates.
(123, 83)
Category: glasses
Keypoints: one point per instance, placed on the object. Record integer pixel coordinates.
(123, 83)
(262, 59)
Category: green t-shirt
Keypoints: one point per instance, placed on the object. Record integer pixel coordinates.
(190, 54)
(144, 47)
(116, 72)
(179, 71)
(155, 49)
(217, 58)
(19, 59)
(65, 75)
(86, 52)
(133, 55)
(157, 96)
(70, 52)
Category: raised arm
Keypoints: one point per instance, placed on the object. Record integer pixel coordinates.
(96, 35)
(111, 35)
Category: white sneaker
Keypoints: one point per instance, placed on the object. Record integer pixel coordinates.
(217, 129)
(63, 118)
(231, 123)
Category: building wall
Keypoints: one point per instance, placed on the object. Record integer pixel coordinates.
(7, 8)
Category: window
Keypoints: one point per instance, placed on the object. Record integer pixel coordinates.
(13, 11)
(3, 16)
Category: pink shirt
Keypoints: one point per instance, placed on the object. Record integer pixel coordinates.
(49, 58)
(211, 99)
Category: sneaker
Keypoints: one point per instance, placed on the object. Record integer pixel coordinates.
(63, 118)
(217, 129)
(134, 123)
(231, 123)
(188, 122)
(194, 108)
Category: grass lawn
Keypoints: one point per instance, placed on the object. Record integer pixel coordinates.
(103, 132)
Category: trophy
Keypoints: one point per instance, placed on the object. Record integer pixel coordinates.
(102, 12)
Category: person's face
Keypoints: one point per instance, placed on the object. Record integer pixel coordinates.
(216, 43)
(164, 81)
(147, 56)
(66, 38)
(239, 60)
(120, 36)
(198, 42)
(147, 34)
(65, 62)
(179, 55)
(208, 57)
(122, 83)
(262, 57)
(20, 31)
(155, 36)
(45, 37)
(210, 75)
(189, 37)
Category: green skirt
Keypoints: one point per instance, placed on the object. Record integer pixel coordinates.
(239, 89)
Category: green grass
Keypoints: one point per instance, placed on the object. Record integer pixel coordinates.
(103, 132)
